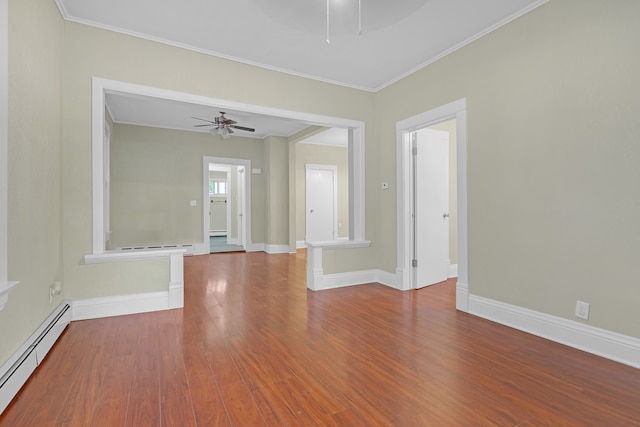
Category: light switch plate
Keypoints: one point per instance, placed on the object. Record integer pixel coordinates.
(193, 203)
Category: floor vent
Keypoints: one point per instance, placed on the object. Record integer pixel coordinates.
(21, 365)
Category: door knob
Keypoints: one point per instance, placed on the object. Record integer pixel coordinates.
(445, 215)
(311, 211)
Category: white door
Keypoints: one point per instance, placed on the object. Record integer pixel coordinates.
(431, 195)
(321, 203)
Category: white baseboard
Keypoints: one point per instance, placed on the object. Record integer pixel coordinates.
(301, 244)
(270, 249)
(388, 279)
(453, 270)
(256, 247)
(611, 345)
(15, 372)
(353, 278)
(95, 308)
(276, 249)
(462, 297)
(233, 241)
(199, 249)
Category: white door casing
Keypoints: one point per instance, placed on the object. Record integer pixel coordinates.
(246, 218)
(321, 203)
(241, 206)
(454, 110)
(431, 206)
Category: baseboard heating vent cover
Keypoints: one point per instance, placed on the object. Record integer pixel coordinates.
(21, 365)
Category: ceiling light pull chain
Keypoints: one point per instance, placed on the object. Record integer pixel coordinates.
(327, 40)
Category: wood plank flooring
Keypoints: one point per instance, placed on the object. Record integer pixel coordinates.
(253, 347)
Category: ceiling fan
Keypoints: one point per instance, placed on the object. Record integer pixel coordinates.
(222, 126)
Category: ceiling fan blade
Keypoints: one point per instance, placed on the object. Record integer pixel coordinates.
(204, 120)
(242, 128)
(229, 130)
(199, 126)
(229, 121)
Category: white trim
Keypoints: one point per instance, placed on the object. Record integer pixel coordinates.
(453, 270)
(95, 308)
(206, 161)
(201, 248)
(175, 291)
(355, 278)
(457, 110)
(127, 32)
(460, 45)
(316, 280)
(101, 86)
(256, 247)
(611, 345)
(334, 169)
(301, 244)
(462, 296)
(387, 279)
(19, 367)
(356, 183)
(133, 255)
(5, 290)
(276, 249)
(340, 244)
(5, 286)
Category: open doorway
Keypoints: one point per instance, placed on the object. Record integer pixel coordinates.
(434, 212)
(225, 202)
(452, 114)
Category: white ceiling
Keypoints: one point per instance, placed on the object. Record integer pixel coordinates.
(163, 113)
(289, 35)
(398, 37)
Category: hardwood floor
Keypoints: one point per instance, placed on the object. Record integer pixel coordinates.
(253, 347)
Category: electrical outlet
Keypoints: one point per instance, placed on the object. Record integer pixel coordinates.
(54, 290)
(582, 310)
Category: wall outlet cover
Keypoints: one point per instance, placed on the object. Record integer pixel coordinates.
(582, 310)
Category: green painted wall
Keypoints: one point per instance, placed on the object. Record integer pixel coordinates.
(553, 101)
(34, 148)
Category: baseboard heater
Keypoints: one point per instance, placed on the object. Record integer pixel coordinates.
(21, 365)
(188, 247)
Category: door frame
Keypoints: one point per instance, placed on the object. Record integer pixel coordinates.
(240, 223)
(404, 270)
(334, 169)
(247, 196)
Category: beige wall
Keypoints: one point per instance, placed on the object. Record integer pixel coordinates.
(553, 100)
(325, 155)
(276, 171)
(156, 172)
(34, 147)
(552, 103)
(92, 52)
